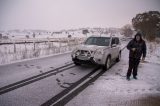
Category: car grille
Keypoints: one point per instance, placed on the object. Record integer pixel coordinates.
(85, 53)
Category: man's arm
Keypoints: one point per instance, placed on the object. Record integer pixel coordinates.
(129, 47)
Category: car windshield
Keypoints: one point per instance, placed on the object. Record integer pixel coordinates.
(99, 41)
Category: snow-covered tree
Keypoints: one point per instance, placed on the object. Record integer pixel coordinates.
(85, 31)
(127, 30)
(148, 23)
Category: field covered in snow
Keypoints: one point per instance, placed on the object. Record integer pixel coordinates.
(13, 52)
(153, 52)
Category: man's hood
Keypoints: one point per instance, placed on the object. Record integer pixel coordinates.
(138, 34)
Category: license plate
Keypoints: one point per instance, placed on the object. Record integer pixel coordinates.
(83, 58)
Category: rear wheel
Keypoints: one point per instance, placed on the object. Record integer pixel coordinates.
(119, 57)
(107, 64)
(77, 63)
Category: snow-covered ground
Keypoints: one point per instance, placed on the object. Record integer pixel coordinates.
(14, 52)
(153, 53)
(112, 88)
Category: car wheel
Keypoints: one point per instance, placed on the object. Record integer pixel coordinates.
(77, 63)
(107, 64)
(119, 57)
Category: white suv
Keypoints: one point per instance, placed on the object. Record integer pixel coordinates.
(99, 50)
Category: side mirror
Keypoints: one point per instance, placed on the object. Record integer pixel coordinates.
(113, 45)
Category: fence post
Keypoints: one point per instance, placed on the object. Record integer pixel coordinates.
(25, 46)
(14, 47)
(48, 47)
(34, 48)
(69, 44)
(60, 45)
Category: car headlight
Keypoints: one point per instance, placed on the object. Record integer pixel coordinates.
(77, 53)
(75, 50)
(73, 54)
(91, 53)
(100, 51)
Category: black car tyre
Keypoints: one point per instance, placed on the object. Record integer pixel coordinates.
(107, 64)
(77, 63)
(119, 57)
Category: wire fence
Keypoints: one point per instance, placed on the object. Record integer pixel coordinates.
(14, 52)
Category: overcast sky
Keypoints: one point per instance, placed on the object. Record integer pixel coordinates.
(67, 14)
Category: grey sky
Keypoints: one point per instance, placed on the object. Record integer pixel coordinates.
(66, 14)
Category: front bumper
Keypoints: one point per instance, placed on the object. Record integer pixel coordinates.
(90, 61)
(86, 60)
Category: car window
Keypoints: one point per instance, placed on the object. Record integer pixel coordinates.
(99, 41)
(113, 41)
(117, 40)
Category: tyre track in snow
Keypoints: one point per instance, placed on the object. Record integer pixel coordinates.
(69, 93)
(35, 78)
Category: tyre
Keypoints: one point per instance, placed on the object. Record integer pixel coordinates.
(107, 64)
(77, 63)
(119, 57)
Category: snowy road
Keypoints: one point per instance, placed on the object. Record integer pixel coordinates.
(18, 71)
(79, 85)
(42, 89)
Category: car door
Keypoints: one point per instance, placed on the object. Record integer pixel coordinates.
(117, 48)
(113, 48)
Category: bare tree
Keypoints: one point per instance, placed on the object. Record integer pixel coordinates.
(148, 23)
(127, 30)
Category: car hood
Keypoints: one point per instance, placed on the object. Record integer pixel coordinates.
(90, 47)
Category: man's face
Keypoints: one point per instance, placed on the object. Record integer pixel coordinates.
(138, 38)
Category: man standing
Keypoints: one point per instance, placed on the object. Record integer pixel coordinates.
(136, 48)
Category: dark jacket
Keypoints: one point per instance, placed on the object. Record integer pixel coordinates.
(140, 48)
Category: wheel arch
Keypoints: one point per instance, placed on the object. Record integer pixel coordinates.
(109, 55)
